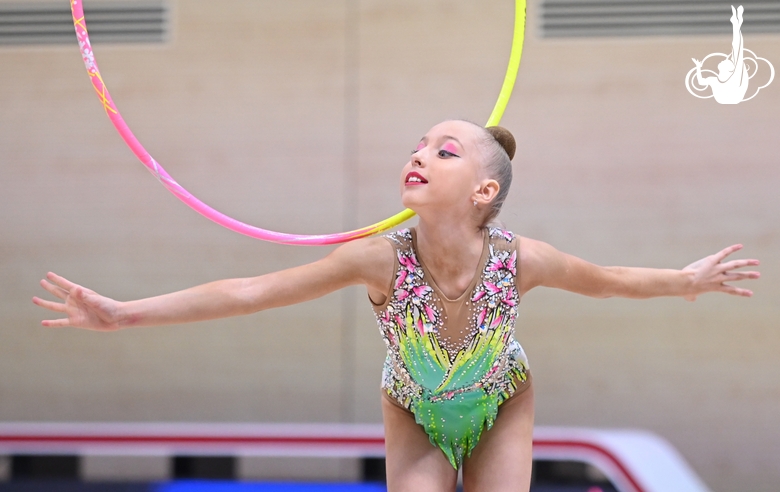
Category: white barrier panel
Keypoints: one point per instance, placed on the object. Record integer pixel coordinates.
(635, 461)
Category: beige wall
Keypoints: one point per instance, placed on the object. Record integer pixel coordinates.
(298, 116)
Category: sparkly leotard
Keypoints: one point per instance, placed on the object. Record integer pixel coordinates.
(452, 362)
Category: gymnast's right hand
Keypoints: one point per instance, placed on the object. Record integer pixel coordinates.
(84, 308)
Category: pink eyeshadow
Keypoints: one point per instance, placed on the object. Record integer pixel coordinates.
(449, 148)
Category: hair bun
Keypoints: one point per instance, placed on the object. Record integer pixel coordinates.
(504, 138)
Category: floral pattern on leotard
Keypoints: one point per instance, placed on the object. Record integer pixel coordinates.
(453, 394)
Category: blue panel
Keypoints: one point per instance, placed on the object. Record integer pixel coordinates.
(214, 486)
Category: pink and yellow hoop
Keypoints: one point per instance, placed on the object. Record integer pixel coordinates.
(193, 202)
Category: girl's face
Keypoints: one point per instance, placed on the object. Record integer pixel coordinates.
(444, 171)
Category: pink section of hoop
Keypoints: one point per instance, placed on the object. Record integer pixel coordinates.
(159, 172)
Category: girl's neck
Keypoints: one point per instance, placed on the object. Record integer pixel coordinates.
(449, 246)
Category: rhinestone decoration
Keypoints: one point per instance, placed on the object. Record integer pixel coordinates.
(453, 388)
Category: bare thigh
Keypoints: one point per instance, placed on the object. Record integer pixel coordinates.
(501, 461)
(413, 463)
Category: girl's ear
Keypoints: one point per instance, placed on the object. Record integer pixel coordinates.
(487, 191)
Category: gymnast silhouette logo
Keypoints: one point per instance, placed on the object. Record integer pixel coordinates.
(735, 70)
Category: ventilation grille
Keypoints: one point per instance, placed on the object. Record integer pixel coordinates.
(115, 22)
(569, 18)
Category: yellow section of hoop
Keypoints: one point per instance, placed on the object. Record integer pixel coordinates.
(498, 110)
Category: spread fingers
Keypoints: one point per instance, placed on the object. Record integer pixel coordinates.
(729, 276)
(54, 290)
(719, 256)
(50, 305)
(66, 284)
(736, 291)
(56, 323)
(731, 265)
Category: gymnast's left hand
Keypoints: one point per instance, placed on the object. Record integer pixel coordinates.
(710, 274)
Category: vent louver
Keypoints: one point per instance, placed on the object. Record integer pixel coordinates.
(115, 22)
(569, 18)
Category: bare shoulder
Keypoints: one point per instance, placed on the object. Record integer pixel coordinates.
(534, 259)
(371, 259)
(532, 251)
(368, 250)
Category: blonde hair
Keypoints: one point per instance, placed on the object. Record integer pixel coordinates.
(500, 149)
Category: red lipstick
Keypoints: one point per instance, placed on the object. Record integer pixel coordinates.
(414, 178)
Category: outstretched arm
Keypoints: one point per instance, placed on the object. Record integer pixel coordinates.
(360, 261)
(543, 265)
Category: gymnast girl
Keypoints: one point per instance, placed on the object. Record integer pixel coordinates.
(457, 389)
